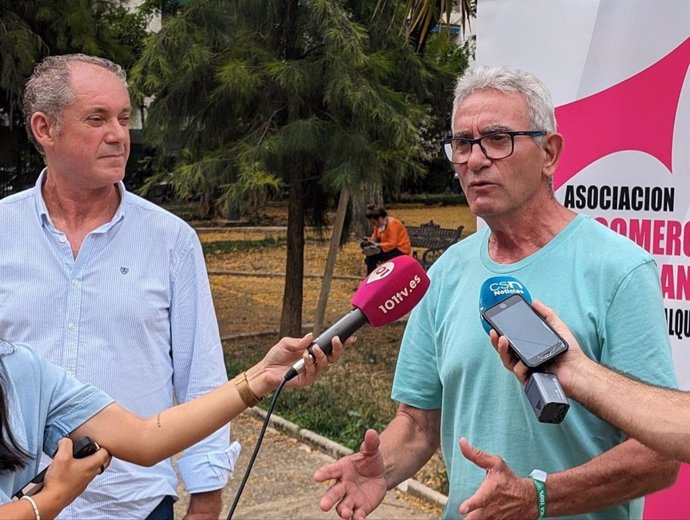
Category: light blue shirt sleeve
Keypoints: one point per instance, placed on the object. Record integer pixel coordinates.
(70, 403)
(416, 381)
(45, 405)
(638, 300)
(196, 360)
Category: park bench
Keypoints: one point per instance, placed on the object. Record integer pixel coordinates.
(433, 239)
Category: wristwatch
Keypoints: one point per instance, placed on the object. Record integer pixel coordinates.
(538, 476)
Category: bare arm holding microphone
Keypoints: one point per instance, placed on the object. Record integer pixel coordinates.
(69, 408)
(43, 404)
(173, 429)
(657, 417)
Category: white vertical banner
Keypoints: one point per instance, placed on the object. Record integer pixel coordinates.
(618, 74)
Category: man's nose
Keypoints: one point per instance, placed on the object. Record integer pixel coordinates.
(477, 158)
(117, 132)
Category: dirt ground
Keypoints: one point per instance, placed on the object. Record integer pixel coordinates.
(247, 288)
(250, 303)
(281, 483)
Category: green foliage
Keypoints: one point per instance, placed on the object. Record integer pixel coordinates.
(128, 31)
(239, 86)
(314, 96)
(33, 29)
(433, 199)
(345, 418)
(419, 17)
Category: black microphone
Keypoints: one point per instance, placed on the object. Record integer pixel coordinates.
(384, 296)
(543, 390)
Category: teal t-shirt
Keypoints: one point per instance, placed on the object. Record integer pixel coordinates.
(601, 284)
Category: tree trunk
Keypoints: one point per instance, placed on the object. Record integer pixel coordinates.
(370, 194)
(291, 316)
(330, 261)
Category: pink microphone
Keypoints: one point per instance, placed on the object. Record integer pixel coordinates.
(384, 296)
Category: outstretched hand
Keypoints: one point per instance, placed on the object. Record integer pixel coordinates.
(359, 485)
(288, 351)
(503, 495)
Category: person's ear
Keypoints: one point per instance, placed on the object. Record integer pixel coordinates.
(43, 129)
(553, 147)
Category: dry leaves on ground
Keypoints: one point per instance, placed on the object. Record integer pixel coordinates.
(251, 302)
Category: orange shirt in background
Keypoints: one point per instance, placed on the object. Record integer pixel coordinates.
(393, 236)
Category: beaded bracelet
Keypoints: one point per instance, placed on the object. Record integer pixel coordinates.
(34, 506)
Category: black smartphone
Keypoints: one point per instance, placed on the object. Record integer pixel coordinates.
(80, 449)
(531, 338)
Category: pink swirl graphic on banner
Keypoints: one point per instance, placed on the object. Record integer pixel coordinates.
(636, 114)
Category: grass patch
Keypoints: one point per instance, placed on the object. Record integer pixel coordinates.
(433, 199)
(351, 396)
(231, 246)
(336, 408)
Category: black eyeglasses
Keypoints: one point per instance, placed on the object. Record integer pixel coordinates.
(496, 145)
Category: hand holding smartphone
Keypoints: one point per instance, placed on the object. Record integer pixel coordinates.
(531, 338)
(80, 449)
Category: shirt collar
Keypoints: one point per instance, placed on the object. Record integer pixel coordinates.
(42, 209)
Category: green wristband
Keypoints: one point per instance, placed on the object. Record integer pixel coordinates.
(541, 497)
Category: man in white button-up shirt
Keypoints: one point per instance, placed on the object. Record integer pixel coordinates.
(109, 286)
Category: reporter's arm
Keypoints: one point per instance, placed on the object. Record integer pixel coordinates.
(147, 441)
(65, 479)
(657, 417)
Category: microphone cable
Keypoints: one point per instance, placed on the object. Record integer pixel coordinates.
(286, 378)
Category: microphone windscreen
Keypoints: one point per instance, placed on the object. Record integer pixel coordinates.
(496, 289)
(391, 290)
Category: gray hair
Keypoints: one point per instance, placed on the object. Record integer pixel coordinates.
(537, 97)
(49, 89)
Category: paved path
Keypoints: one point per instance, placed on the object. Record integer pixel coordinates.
(281, 484)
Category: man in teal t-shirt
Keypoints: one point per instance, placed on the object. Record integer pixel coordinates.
(612, 302)
(451, 384)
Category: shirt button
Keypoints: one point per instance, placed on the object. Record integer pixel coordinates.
(75, 282)
(71, 326)
(63, 238)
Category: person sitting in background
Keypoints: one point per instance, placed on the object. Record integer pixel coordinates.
(389, 235)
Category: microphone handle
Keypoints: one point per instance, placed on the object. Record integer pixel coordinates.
(343, 328)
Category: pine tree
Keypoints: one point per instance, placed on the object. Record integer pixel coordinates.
(313, 96)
